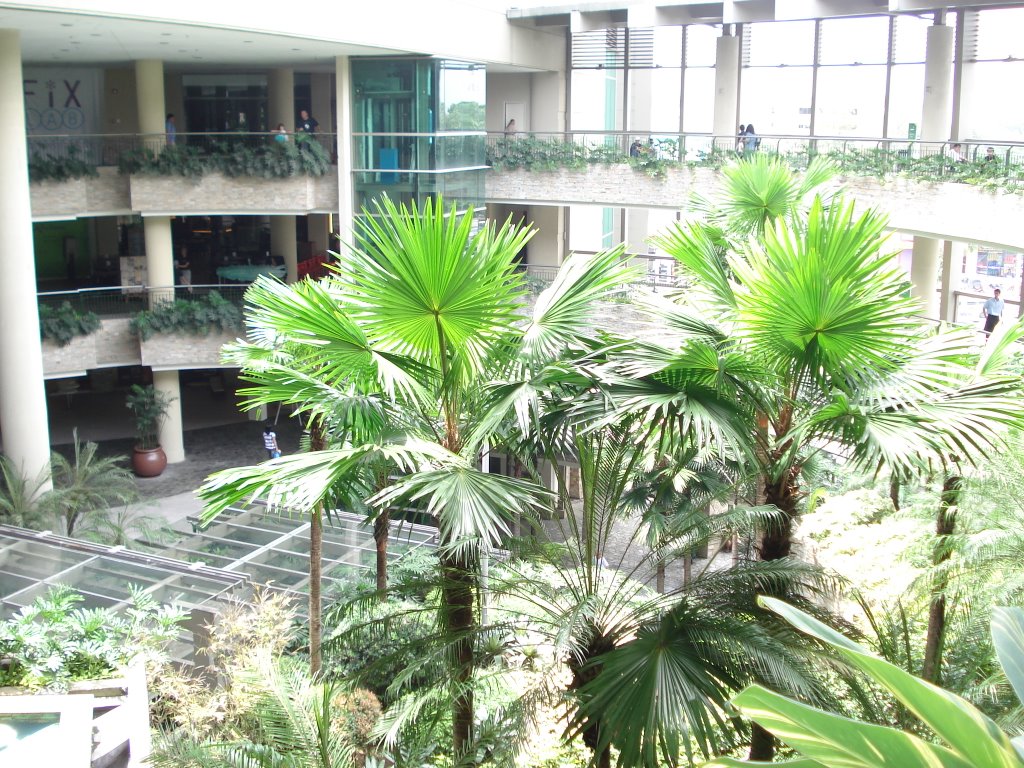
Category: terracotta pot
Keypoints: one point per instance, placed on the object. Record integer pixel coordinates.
(148, 462)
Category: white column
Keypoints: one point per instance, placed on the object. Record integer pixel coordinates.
(23, 419)
(171, 435)
(937, 109)
(281, 99)
(639, 122)
(149, 97)
(318, 227)
(320, 100)
(343, 103)
(282, 243)
(924, 274)
(547, 101)
(727, 85)
(952, 271)
(159, 258)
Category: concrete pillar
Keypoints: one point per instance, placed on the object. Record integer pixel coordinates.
(171, 435)
(282, 243)
(281, 99)
(924, 274)
(26, 436)
(320, 100)
(952, 271)
(343, 103)
(318, 226)
(547, 102)
(150, 102)
(639, 121)
(159, 258)
(547, 248)
(937, 109)
(727, 87)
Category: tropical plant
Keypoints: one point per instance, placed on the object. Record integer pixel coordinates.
(53, 641)
(415, 322)
(48, 166)
(960, 735)
(23, 500)
(792, 314)
(86, 487)
(149, 408)
(233, 157)
(61, 324)
(199, 317)
(294, 724)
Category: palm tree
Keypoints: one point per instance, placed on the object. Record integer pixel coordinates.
(417, 320)
(86, 486)
(811, 332)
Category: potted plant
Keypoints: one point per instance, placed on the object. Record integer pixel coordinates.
(149, 408)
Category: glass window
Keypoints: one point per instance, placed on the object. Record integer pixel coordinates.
(668, 46)
(701, 45)
(850, 101)
(783, 42)
(462, 96)
(909, 37)
(776, 101)
(699, 101)
(654, 94)
(1001, 33)
(905, 99)
(863, 40)
(596, 99)
(990, 111)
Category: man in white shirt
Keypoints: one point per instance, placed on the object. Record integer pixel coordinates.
(992, 310)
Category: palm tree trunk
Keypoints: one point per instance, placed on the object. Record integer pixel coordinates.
(894, 491)
(945, 525)
(316, 535)
(317, 442)
(459, 591)
(762, 744)
(381, 529)
(687, 569)
(659, 577)
(583, 671)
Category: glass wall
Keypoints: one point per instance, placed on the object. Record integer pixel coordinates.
(418, 130)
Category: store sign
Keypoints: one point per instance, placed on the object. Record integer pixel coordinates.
(61, 101)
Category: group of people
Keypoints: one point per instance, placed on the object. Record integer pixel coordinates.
(747, 139)
(957, 153)
(307, 124)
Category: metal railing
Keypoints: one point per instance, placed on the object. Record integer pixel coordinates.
(129, 300)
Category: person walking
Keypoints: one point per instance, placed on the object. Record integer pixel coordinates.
(992, 310)
(741, 134)
(270, 442)
(750, 140)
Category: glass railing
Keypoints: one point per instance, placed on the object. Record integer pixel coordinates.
(59, 158)
(129, 300)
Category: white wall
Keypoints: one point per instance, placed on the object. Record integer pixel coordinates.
(502, 89)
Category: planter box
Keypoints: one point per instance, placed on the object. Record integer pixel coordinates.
(76, 356)
(183, 350)
(106, 194)
(171, 195)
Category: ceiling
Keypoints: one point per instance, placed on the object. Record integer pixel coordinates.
(61, 38)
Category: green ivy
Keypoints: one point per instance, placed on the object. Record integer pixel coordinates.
(43, 166)
(61, 324)
(271, 160)
(198, 317)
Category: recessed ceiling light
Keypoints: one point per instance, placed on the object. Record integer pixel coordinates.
(165, 34)
(164, 43)
(65, 50)
(95, 34)
(247, 41)
(67, 25)
(182, 50)
(296, 49)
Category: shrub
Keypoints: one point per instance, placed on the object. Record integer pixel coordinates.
(43, 166)
(61, 324)
(197, 317)
(51, 643)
